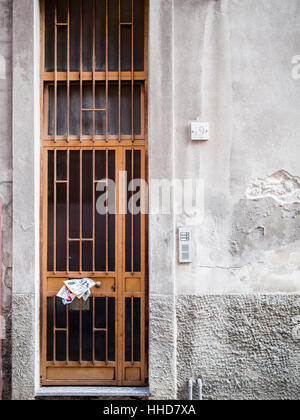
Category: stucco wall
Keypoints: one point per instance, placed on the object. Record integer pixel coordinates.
(6, 182)
(232, 67)
(242, 346)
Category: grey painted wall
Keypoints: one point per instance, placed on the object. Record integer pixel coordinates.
(232, 316)
(6, 180)
(232, 67)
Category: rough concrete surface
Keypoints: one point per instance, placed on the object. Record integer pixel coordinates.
(162, 342)
(23, 346)
(242, 346)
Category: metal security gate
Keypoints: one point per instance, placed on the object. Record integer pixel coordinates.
(93, 149)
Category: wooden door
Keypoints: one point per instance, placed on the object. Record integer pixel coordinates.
(93, 147)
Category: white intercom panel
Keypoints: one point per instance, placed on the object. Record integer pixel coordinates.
(185, 245)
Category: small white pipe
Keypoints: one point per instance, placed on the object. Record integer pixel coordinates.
(200, 388)
(190, 388)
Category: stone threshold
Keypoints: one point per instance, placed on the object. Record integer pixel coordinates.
(92, 391)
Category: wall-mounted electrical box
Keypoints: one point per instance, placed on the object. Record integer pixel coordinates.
(185, 245)
(199, 131)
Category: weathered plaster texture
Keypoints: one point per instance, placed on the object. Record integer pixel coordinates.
(233, 68)
(6, 182)
(162, 339)
(24, 347)
(242, 346)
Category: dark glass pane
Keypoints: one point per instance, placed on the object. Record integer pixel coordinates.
(50, 217)
(49, 329)
(100, 312)
(87, 332)
(139, 35)
(51, 110)
(61, 110)
(137, 217)
(87, 35)
(61, 226)
(87, 103)
(74, 193)
(74, 255)
(87, 256)
(100, 35)
(137, 329)
(100, 219)
(74, 333)
(137, 109)
(62, 48)
(75, 35)
(100, 96)
(61, 113)
(100, 123)
(87, 194)
(128, 329)
(100, 164)
(113, 34)
(113, 112)
(61, 165)
(49, 35)
(126, 11)
(111, 329)
(74, 110)
(126, 109)
(100, 346)
(126, 48)
(128, 217)
(100, 116)
(100, 230)
(60, 314)
(62, 11)
(112, 211)
(60, 341)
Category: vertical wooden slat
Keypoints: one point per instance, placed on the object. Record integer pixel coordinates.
(106, 71)
(68, 211)
(80, 219)
(106, 329)
(132, 70)
(143, 266)
(54, 330)
(54, 210)
(68, 72)
(94, 68)
(55, 71)
(94, 302)
(106, 214)
(94, 210)
(132, 215)
(120, 261)
(80, 72)
(119, 71)
(80, 331)
(67, 334)
(132, 326)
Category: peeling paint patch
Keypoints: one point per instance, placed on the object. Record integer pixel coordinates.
(281, 186)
